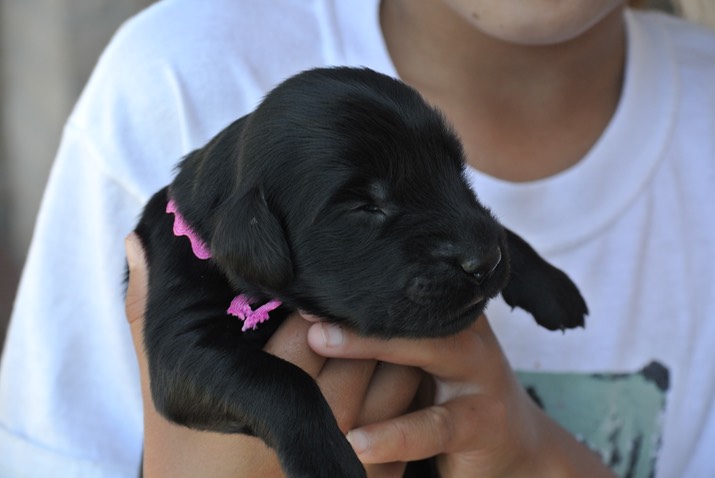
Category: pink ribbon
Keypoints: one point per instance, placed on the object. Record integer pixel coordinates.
(182, 228)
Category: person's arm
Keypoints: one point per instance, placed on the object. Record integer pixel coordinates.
(354, 388)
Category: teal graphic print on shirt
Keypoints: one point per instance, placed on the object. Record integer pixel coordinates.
(617, 415)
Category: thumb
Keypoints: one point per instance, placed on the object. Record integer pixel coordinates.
(135, 307)
(135, 303)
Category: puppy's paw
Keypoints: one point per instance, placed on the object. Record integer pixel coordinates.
(549, 295)
(322, 458)
(541, 289)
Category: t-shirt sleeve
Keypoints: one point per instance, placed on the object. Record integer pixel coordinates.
(69, 383)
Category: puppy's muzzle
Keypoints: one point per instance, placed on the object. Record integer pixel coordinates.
(459, 278)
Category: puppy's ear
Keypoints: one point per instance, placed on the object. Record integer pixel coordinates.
(249, 243)
(206, 177)
(541, 289)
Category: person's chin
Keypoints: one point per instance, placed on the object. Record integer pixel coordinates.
(534, 24)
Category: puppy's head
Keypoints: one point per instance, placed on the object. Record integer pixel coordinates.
(343, 194)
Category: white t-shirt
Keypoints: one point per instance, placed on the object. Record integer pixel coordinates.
(633, 223)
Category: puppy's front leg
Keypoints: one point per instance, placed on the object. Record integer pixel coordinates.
(205, 377)
(541, 289)
(218, 389)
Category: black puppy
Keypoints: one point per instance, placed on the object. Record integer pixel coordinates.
(342, 195)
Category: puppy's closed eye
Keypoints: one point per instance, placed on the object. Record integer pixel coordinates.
(375, 200)
(370, 209)
(365, 201)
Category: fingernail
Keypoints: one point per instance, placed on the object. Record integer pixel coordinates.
(332, 334)
(309, 317)
(358, 440)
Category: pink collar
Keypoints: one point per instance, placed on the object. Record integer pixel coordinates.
(241, 304)
(182, 228)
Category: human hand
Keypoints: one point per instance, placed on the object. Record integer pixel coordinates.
(481, 423)
(357, 391)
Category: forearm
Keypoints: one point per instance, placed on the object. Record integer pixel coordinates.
(174, 451)
(558, 454)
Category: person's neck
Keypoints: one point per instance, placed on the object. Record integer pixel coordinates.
(523, 112)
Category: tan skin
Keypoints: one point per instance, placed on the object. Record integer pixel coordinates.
(555, 95)
(555, 99)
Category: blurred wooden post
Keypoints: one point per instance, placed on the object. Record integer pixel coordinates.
(47, 50)
(701, 11)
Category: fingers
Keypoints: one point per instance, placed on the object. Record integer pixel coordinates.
(473, 393)
(452, 357)
(390, 393)
(430, 431)
(357, 391)
(288, 343)
(344, 384)
(385, 470)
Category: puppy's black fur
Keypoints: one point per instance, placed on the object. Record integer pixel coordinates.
(343, 195)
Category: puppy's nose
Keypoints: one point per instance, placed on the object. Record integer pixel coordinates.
(481, 267)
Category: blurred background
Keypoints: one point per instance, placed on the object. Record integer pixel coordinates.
(47, 51)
